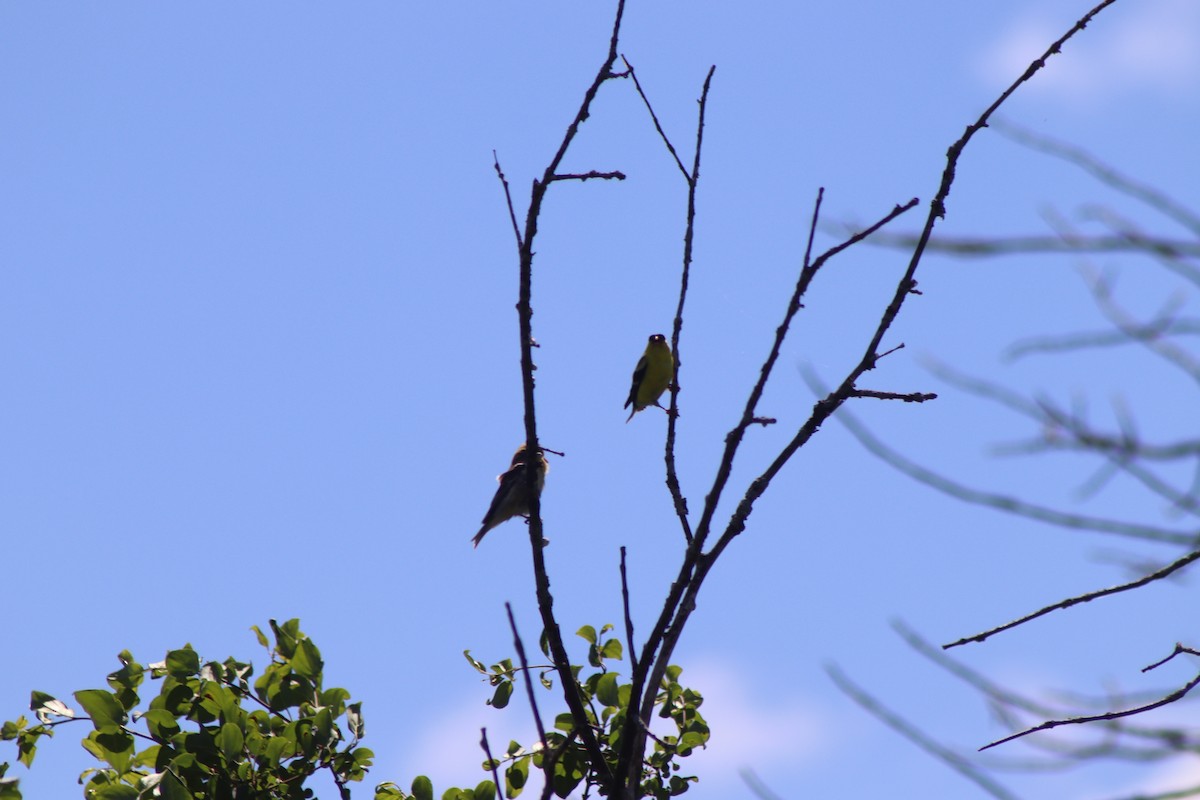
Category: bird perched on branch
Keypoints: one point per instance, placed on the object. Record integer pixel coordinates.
(512, 498)
(654, 372)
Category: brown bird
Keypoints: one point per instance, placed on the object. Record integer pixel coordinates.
(512, 498)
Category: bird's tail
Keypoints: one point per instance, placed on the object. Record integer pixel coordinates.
(477, 538)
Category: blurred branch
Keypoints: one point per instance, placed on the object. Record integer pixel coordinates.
(1106, 174)
(955, 761)
(1124, 322)
(1002, 502)
(1159, 327)
(1069, 431)
(756, 785)
(1164, 742)
(994, 247)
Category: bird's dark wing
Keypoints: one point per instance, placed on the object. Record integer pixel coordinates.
(639, 374)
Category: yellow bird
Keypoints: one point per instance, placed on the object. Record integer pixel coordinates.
(654, 372)
(512, 498)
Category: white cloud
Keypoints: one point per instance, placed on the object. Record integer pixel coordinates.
(1182, 774)
(749, 732)
(1152, 46)
(448, 751)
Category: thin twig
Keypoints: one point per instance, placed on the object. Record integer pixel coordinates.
(629, 759)
(1178, 694)
(512, 214)
(693, 179)
(654, 117)
(520, 646)
(911, 397)
(483, 742)
(1166, 741)
(615, 175)
(681, 600)
(628, 619)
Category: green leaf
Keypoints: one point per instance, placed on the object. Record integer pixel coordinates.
(102, 707)
(606, 689)
(262, 637)
(567, 775)
(114, 747)
(126, 680)
(307, 660)
(358, 728)
(515, 777)
(486, 790)
(389, 791)
(183, 663)
(612, 649)
(422, 788)
(27, 745)
(285, 636)
(474, 662)
(8, 732)
(46, 706)
(170, 788)
(114, 791)
(9, 790)
(503, 693)
(588, 633)
(230, 740)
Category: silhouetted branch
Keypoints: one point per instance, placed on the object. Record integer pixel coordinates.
(520, 647)
(487, 751)
(545, 600)
(657, 125)
(628, 619)
(645, 687)
(1178, 694)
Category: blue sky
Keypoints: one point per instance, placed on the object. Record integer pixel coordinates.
(261, 355)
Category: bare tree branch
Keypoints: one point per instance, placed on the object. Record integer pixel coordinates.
(487, 751)
(1178, 694)
(545, 600)
(520, 647)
